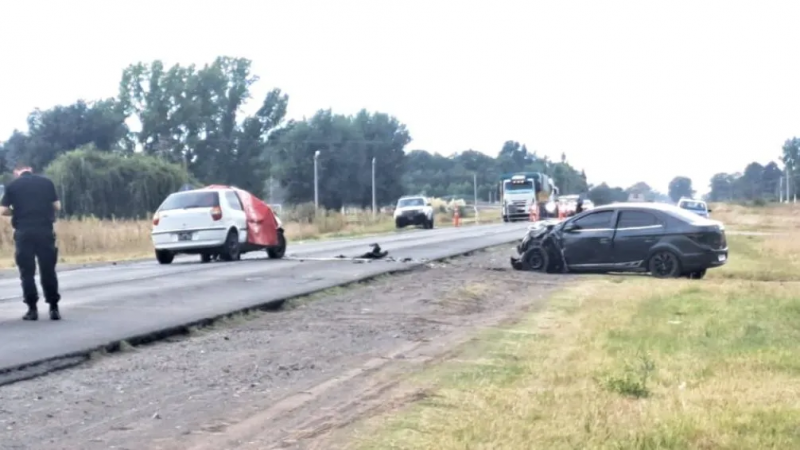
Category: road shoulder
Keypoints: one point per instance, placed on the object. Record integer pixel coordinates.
(282, 378)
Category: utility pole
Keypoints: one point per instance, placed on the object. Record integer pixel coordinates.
(475, 188)
(780, 190)
(316, 182)
(788, 180)
(374, 202)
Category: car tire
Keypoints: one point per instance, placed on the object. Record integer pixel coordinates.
(164, 256)
(278, 251)
(205, 257)
(664, 264)
(536, 259)
(432, 223)
(231, 251)
(398, 224)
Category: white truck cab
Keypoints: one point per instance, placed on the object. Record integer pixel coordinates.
(698, 207)
(413, 210)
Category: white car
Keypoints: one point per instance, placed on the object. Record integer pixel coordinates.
(413, 210)
(698, 207)
(208, 222)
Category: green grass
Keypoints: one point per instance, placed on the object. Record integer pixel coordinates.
(625, 363)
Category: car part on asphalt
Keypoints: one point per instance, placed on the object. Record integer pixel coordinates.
(375, 253)
(663, 240)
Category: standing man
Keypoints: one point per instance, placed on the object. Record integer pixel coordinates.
(32, 202)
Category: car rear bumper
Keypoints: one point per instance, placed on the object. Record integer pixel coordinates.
(705, 260)
(200, 239)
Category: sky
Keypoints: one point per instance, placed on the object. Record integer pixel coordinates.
(629, 90)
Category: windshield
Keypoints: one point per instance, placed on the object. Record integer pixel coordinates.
(693, 206)
(406, 202)
(526, 186)
(186, 200)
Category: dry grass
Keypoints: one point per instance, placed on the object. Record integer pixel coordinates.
(92, 240)
(628, 362)
(770, 218)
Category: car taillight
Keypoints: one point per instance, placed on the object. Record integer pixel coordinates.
(155, 219)
(216, 213)
(715, 240)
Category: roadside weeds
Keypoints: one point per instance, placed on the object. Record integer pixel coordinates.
(624, 362)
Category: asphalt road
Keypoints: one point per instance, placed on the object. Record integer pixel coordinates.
(111, 303)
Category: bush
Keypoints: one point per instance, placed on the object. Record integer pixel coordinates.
(112, 185)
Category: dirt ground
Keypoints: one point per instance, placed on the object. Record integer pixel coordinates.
(287, 379)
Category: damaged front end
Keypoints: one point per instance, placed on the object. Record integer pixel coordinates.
(539, 250)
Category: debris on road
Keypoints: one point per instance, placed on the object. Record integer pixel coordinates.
(376, 252)
(372, 255)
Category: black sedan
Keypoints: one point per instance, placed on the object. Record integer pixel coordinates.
(661, 239)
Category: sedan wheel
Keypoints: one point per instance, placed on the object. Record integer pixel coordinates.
(536, 259)
(231, 251)
(665, 264)
(278, 251)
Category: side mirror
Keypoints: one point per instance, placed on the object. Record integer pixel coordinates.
(708, 211)
(428, 204)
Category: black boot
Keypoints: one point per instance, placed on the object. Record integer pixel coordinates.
(54, 314)
(32, 314)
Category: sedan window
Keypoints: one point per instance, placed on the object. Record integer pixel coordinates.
(594, 221)
(636, 219)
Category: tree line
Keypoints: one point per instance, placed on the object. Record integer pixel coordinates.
(760, 183)
(172, 126)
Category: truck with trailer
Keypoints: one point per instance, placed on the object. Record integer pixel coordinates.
(521, 191)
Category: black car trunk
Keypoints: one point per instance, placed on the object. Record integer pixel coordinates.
(712, 236)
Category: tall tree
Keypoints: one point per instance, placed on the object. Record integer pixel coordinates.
(385, 139)
(771, 180)
(605, 194)
(61, 129)
(751, 181)
(680, 187)
(722, 185)
(191, 116)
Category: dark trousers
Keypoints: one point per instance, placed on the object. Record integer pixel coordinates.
(31, 245)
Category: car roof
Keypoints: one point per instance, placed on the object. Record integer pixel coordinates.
(652, 206)
(202, 189)
(411, 196)
(667, 208)
(637, 205)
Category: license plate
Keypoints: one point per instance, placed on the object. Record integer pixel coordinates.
(722, 258)
(184, 236)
